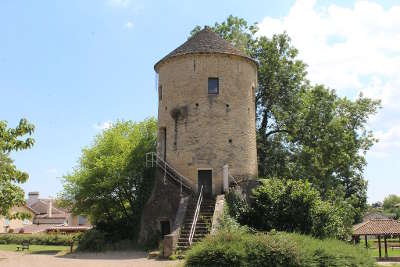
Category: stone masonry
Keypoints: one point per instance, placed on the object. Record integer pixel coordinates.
(210, 130)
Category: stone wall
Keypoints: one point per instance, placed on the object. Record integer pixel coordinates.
(162, 205)
(16, 223)
(208, 131)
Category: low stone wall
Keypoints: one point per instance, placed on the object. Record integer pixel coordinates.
(169, 242)
(162, 205)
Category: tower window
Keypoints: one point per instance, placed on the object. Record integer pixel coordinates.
(160, 92)
(213, 86)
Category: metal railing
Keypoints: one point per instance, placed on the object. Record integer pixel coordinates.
(196, 216)
(234, 180)
(153, 159)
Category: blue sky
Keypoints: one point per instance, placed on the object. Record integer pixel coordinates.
(72, 67)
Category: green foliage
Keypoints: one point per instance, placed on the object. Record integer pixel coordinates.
(10, 140)
(296, 206)
(304, 131)
(38, 239)
(111, 183)
(391, 205)
(92, 240)
(239, 248)
(238, 207)
(96, 240)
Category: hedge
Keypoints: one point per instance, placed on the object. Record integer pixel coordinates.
(230, 248)
(38, 239)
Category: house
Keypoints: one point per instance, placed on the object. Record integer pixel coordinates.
(45, 216)
(206, 137)
(7, 225)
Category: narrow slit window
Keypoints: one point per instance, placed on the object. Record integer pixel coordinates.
(160, 92)
(213, 86)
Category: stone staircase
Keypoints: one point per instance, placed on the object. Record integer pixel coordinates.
(203, 225)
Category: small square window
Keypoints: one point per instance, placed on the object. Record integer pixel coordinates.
(213, 86)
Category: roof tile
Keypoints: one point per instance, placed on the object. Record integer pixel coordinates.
(377, 227)
(205, 41)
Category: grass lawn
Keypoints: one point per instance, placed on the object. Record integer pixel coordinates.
(37, 249)
(391, 253)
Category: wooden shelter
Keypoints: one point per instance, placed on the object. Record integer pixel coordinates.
(379, 228)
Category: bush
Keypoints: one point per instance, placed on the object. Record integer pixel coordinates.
(238, 207)
(295, 206)
(38, 239)
(240, 248)
(92, 240)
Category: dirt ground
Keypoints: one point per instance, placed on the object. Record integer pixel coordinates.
(109, 259)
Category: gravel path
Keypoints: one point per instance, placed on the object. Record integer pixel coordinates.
(109, 259)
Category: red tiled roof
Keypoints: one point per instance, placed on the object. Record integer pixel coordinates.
(69, 228)
(377, 227)
(35, 228)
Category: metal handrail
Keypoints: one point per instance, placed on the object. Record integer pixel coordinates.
(166, 168)
(196, 216)
(233, 179)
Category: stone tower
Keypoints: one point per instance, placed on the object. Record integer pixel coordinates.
(206, 111)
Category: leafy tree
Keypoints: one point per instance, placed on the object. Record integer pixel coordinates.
(13, 139)
(296, 206)
(304, 131)
(391, 205)
(111, 182)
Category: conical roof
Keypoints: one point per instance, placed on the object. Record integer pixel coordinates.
(204, 42)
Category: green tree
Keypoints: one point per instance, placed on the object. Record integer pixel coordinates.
(111, 182)
(304, 131)
(296, 206)
(13, 139)
(391, 206)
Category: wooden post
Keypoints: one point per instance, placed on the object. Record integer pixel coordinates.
(379, 245)
(385, 246)
(366, 241)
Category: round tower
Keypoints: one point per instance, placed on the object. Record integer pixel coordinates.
(206, 111)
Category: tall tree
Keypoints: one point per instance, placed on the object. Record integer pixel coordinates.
(391, 206)
(303, 131)
(12, 139)
(110, 183)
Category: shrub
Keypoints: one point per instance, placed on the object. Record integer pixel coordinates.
(224, 249)
(241, 248)
(92, 240)
(38, 239)
(295, 206)
(238, 207)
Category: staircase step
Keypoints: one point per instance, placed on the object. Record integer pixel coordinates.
(203, 224)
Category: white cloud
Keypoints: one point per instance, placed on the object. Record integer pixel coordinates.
(102, 125)
(389, 142)
(119, 3)
(349, 49)
(128, 24)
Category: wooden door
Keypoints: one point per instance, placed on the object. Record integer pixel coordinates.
(205, 180)
(165, 228)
